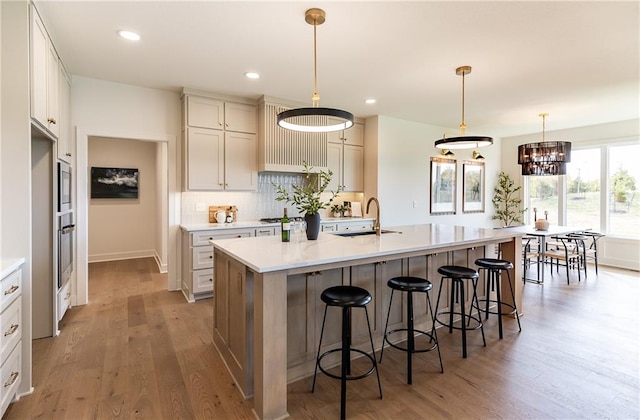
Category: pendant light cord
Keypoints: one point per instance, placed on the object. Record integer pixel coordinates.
(544, 116)
(463, 126)
(315, 99)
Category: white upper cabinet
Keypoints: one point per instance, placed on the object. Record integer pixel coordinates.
(44, 77)
(353, 135)
(220, 115)
(65, 135)
(345, 157)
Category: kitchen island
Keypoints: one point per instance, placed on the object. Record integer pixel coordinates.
(267, 295)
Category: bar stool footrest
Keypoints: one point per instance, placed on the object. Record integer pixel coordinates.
(396, 346)
(466, 318)
(495, 311)
(350, 377)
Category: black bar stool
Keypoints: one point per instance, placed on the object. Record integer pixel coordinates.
(410, 285)
(494, 267)
(457, 275)
(346, 297)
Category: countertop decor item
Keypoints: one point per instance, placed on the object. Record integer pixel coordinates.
(315, 119)
(546, 157)
(506, 201)
(463, 141)
(307, 198)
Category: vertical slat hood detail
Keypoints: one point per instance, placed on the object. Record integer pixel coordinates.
(281, 150)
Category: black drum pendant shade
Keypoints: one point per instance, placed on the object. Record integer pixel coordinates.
(315, 119)
(545, 158)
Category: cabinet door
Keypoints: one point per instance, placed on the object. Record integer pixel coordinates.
(354, 135)
(240, 117)
(241, 168)
(39, 53)
(205, 151)
(334, 164)
(65, 136)
(353, 168)
(53, 73)
(205, 113)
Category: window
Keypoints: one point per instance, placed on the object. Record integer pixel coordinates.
(624, 203)
(599, 191)
(543, 197)
(583, 189)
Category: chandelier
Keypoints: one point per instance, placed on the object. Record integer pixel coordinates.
(546, 157)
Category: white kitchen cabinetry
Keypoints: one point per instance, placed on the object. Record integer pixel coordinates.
(44, 78)
(197, 260)
(345, 158)
(218, 160)
(65, 135)
(220, 115)
(10, 336)
(220, 145)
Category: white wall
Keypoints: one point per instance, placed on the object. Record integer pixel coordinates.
(124, 228)
(108, 109)
(620, 252)
(397, 171)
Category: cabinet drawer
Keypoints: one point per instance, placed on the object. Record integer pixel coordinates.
(64, 300)
(202, 281)
(266, 231)
(202, 257)
(10, 328)
(10, 376)
(354, 226)
(328, 227)
(10, 289)
(203, 238)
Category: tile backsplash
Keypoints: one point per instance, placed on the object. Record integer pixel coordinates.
(252, 205)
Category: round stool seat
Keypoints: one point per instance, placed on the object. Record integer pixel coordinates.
(345, 296)
(410, 284)
(455, 271)
(494, 263)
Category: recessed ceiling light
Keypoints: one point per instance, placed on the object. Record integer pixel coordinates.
(370, 101)
(131, 36)
(252, 75)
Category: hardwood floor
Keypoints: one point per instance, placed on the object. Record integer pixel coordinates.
(138, 351)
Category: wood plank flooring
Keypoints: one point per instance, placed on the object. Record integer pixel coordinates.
(138, 351)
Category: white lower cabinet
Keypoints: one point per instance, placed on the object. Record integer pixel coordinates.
(64, 299)
(197, 259)
(10, 337)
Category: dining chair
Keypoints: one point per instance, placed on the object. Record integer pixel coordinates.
(530, 254)
(569, 251)
(591, 252)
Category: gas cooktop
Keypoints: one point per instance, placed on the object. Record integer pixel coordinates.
(277, 219)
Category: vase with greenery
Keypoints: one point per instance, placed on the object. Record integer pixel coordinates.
(506, 201)
(307, 197)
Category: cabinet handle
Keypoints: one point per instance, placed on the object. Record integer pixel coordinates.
(239, 236)
(226, 185)
(11, 290)
(68, 296)
(51, 120)
(68, 154)
(221, 184)
(210, 257)
(211, 280)
(226, 125)
(12, 329)
(220, 124)
(240, 282)
(12, 379)
(210, 238)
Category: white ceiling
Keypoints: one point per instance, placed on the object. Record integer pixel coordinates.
(576, 60)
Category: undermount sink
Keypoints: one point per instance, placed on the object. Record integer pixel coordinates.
(364, 232)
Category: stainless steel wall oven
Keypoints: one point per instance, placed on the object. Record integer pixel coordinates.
(64, 187)
(65, 247)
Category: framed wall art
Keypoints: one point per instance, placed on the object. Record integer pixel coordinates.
(114, 183)
(443, 186)
(473, 187)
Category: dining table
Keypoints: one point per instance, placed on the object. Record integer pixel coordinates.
(542, 235)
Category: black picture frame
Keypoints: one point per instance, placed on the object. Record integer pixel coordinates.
(114, 182)
(473, 187)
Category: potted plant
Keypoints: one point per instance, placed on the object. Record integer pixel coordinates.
(506, 202)
(307, 198)
(339, 210)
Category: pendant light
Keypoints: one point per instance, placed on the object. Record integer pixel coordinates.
(546, 157)
(315, 119)
(463, 142)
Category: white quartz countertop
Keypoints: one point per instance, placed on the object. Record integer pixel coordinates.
(258, 224)
(269, 253)
(9, 265)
